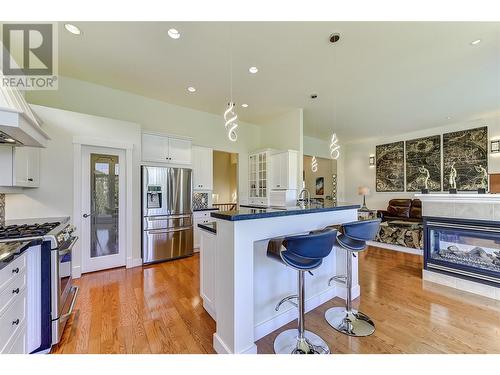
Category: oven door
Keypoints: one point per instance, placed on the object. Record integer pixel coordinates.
(64, 293)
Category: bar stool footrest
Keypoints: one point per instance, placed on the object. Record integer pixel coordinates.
(289, 300)
(338, 279)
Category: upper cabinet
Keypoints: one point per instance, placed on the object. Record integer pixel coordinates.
(259, 165)
(20, 166)
(284, 170)
(202, 168)
(165, 149)
(18, 121)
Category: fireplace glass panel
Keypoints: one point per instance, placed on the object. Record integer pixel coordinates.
(469, 248)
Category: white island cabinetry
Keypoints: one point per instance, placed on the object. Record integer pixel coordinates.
(248, 284)
(208, 270)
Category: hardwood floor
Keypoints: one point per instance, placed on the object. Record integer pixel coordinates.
(152, 309)
(158, 310)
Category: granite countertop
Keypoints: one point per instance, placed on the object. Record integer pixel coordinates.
(211, 227)
(12, 250)
(248, 213)
(206, 209)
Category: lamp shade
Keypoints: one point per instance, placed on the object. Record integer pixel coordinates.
(363, 190)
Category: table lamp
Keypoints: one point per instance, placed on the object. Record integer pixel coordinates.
(364, 191)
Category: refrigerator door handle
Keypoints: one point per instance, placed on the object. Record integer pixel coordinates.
(166, 217)
(159, 231)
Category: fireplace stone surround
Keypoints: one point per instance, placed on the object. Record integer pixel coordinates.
(462, 241)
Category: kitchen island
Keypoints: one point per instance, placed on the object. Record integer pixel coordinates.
(248, 284)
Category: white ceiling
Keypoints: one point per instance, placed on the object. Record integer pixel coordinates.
(381, 78)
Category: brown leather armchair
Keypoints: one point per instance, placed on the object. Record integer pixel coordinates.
(403, 210)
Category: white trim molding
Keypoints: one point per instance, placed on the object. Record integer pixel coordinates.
(78, 142)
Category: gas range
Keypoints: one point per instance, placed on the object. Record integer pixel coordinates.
(56, 230)
(26, 230)
(58, 238)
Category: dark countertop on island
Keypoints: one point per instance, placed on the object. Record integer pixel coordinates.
(211, 227)
(249, 213)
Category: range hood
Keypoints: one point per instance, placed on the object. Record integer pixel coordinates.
(18, 123)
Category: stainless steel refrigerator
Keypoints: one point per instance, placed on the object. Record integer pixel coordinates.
(167, 223)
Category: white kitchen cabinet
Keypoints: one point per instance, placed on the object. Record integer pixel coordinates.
(208, 271)
(258, 169)
(20, 303)
(13, 304)
(200, 217)
(26, 171)
(284, 170)
(154, 148)
(165, 149)
(179, 151)
(20, 166)
(202, 168)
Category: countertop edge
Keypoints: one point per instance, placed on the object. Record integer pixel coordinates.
(208, 228)
(265, 215)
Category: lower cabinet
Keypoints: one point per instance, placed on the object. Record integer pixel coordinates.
(208, 270)
(20, 304)
(199, 217)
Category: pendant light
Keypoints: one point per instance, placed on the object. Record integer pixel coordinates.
(314, 164)
(230, 116)
(334, 147)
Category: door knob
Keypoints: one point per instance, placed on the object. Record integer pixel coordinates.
(87, 215)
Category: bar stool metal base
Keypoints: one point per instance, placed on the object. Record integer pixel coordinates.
(288, 342)
(352, 323)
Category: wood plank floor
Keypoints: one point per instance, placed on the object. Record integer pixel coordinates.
(157, 309)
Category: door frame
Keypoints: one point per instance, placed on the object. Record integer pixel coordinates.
(90, 264)
(78, 142)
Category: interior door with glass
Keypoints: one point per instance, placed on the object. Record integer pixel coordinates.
(103, 205)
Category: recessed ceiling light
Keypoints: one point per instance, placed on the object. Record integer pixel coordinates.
(244, 105)
(174, 33)
(253, 69)
(334, 38)
(474, 42)
(191, 89)
(448, 117)
(72, 29)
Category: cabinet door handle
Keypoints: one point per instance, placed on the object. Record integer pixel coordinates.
(30, 179)
(15, 270)
(15, 322)
(15, 291)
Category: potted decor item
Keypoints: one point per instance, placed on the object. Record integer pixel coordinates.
(453, 179)
(483, 173)
(427, 176)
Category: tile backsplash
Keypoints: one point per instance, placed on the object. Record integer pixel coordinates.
(200, 200)
(2, 209)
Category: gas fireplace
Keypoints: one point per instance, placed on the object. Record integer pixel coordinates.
(468, 249)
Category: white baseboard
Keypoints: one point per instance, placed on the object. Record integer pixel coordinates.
(341, 291)
(221, 348)
(134, 262)
(76, 272)
(209, 309)
(272, 324)
(389, 246)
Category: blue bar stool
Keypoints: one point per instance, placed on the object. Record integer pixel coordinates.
(302, 253)
(345, 319)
